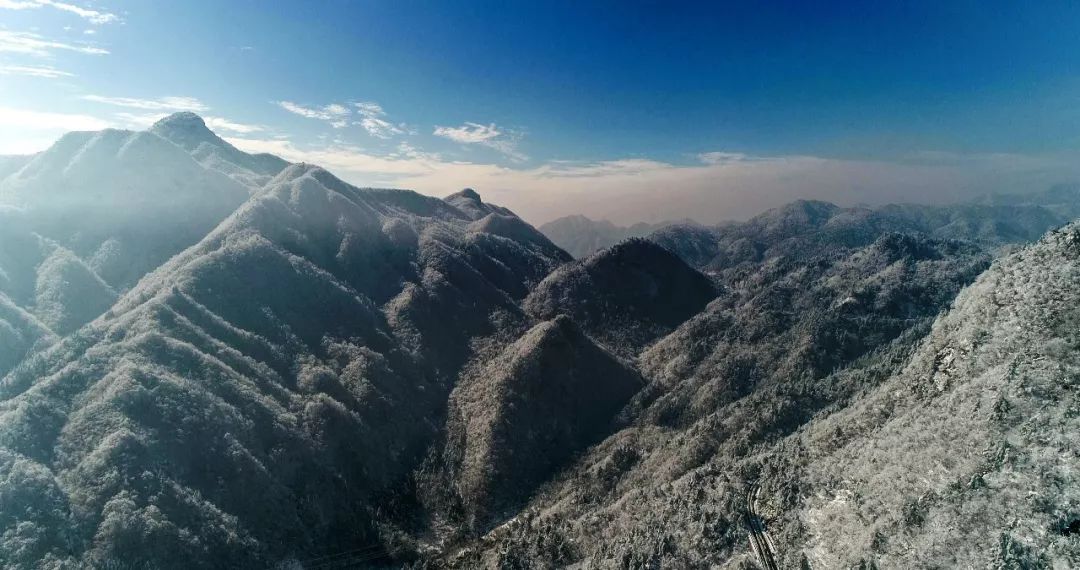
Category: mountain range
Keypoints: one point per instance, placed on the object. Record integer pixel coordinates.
(215, 359)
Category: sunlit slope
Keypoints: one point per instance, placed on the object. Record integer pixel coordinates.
(122, 201)
(968, 456)
(262, 395)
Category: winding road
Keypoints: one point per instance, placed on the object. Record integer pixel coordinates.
(760, 542)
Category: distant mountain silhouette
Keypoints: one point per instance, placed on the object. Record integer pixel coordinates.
(581, 236)
(808, 228)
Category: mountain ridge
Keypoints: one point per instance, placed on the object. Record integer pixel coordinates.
(189, 131)
(273, 366)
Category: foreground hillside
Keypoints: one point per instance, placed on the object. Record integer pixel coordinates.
(967, 455)
(953, 450)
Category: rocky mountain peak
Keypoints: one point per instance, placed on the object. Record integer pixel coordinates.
(185, 129)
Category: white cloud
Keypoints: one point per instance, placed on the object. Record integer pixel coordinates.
(469, 133)
(352, 162)
(137, 121)
(34, 71)
(334, 113)
(370, 108)
(159, 104)
(373, 119)
(720, 157)
(380, 128)
(625, 166)
(27, 43)
(92, 16)
(406, 150)
(484, 135)
(219, 124)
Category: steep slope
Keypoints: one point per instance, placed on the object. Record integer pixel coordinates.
(469, 202)
(695, 244)
(264, 396)
(581, 236)
(123, 202)
(968, 455)
(512, 426)
(9, 164)
(189, 131)
(68, 294)
(753, 367)
(626, 296)
(21, 252)
(20, 334)
(798, 319)
(93, 214)
(52, 291)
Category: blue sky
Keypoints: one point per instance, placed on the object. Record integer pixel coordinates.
(624, 110)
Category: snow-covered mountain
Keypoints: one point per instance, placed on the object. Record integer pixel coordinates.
(84, 220)
(122, 201)
(950, 445)
(213, 359)
(258, 396)
(189, 132)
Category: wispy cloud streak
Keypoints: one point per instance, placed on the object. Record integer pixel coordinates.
(334, 113)
(489, 136)
(45, 72)
(27, 43)
(93, 16)
(160, 104)
(373, 119)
